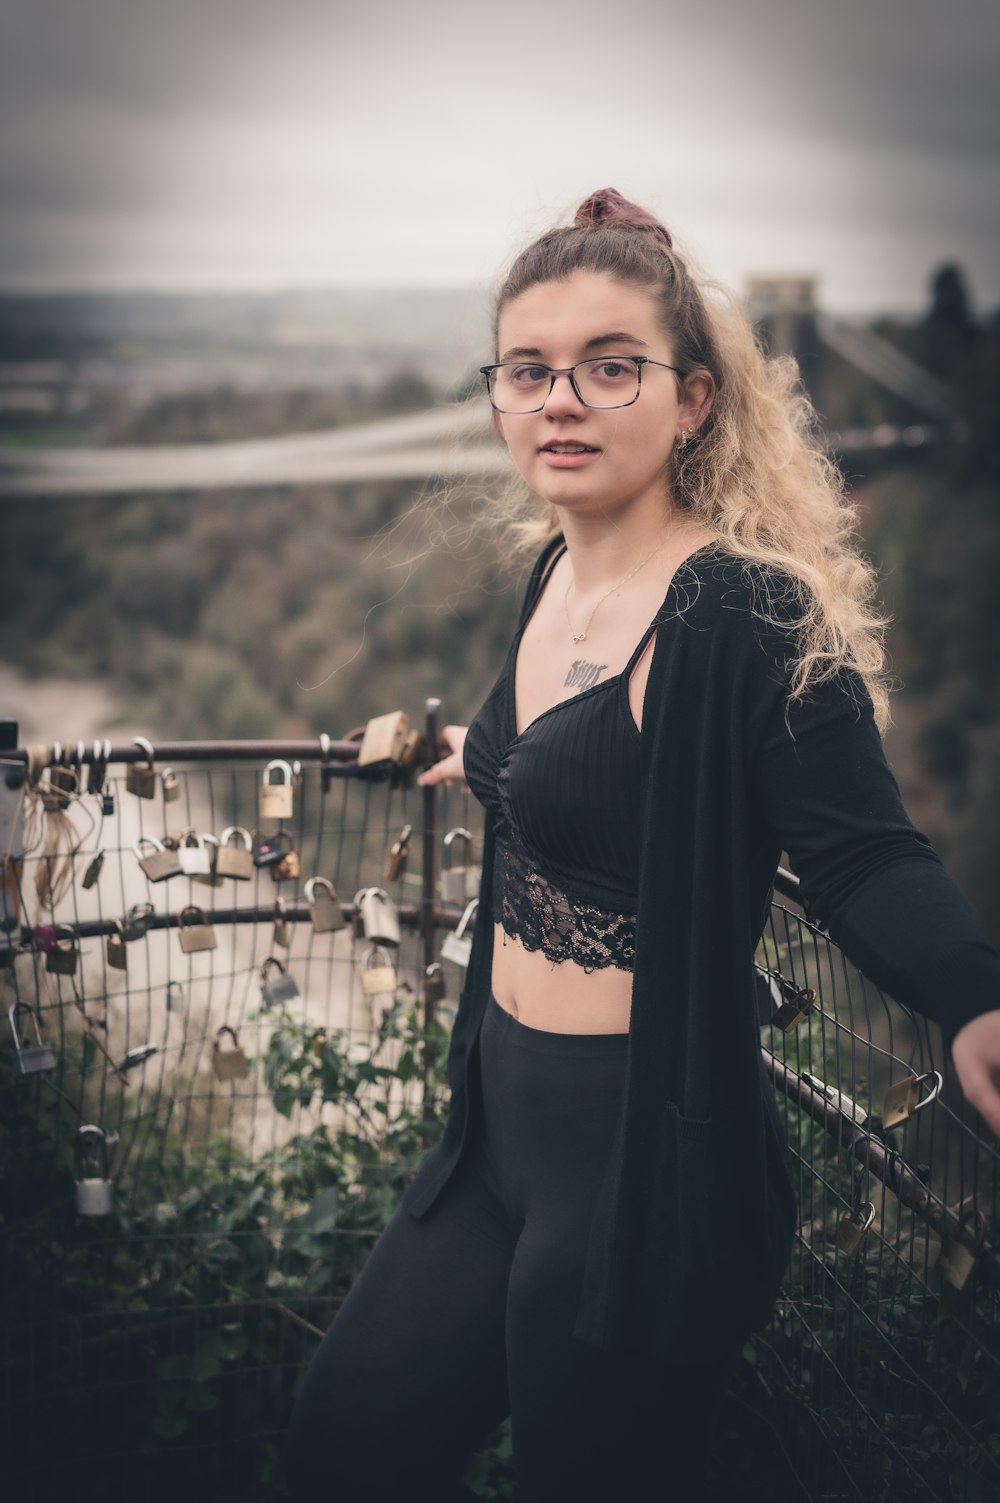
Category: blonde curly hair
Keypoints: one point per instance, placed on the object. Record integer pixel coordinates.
(757, 475)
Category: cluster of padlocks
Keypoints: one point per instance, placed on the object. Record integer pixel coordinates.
(236, 854)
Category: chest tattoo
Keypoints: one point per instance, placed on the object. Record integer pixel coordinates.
(583, 675)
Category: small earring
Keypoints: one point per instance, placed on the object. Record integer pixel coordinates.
(687, 437)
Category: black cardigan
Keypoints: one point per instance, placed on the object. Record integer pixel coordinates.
(694, 1223)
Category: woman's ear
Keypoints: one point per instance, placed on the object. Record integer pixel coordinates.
(699, 394)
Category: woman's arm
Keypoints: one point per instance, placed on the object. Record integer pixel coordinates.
(872, 878)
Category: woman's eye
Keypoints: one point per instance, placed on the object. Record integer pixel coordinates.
(613, 370)
(528, 375)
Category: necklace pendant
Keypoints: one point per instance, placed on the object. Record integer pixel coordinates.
(581, 638)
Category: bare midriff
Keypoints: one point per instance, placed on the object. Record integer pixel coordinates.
(558, 998)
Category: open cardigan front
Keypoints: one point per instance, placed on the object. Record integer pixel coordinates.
(693, 1226)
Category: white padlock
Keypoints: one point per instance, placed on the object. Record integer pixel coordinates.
(94, 1192)
(457, 947)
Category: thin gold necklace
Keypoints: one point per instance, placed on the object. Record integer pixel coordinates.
(582, 636)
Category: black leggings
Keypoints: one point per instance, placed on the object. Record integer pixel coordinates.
(464, 1317)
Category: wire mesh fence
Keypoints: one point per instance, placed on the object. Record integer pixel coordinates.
(222, 1062)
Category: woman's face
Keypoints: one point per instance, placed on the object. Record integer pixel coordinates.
(582, 458)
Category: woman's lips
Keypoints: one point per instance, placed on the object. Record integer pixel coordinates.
(567, 459)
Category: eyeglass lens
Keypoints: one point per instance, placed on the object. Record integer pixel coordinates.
(518, 386)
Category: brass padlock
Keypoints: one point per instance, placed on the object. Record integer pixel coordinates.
(435, 989)
(280, 933)
(64, 957)
(194, 932)
(93, 871)
(234, 857)
(318, 1043)
(455, 878)
(902, 1100)
(384, 738)
(395, 862)
(160, 863)
(276, 797)
(94, 1192)
(140, 777)
(378, 974)
(31, 1058)
(414, 748)
(116, 949)
(798, 1003)
(956, 1261)
(378, 915)
(853, 1228)
(194, 856)
(282, 988)
(324, 905)
(171, 785)
(457, 946)
(230, 1063)
(288, 869)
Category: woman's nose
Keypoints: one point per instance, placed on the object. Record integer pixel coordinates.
(562, 398)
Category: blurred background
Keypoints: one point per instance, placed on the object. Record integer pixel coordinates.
(245, 259)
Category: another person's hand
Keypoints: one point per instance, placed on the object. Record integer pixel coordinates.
(449, 769)
(975, 1051)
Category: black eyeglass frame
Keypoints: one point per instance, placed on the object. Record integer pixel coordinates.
(637, 360)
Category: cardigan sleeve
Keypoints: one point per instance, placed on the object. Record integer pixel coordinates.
(868, 875)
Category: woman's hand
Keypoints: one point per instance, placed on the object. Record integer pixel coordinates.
(975, 1051)
(450, 769)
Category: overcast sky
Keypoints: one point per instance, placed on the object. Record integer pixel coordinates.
(204, 144)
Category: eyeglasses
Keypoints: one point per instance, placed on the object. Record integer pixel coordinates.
(518, 386)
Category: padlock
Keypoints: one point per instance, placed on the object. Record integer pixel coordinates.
(31, 1058)
(378, 974)
(288, 869)
(135, 1057)
(414, 748)
(324, 905)
(837, 1098)
(194, 856)
(956, 1261)
(140, 777)
(280, 933)
(175, 997)
(94, 1192)
(902, 1100)
(116, 949)
(268, 850)
(853, 1228)
(395, 862)
(318, 1043)
(212, 847)
(171, 785)
(282, 989)
(797, 1003)
(137, 920)
(64, 957)
(276, 797)
(234, 858)
(93, 871)
(459, 880)
(384, 738)
(231, 1063)
(194, 932)
(378, 915)
(160, 863)
(435, 989)
(457, 946)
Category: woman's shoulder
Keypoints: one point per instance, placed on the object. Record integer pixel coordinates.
(717, 585)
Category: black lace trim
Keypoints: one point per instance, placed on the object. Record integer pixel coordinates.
(545, 918)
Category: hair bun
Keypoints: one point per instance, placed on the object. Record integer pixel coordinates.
(607, 206)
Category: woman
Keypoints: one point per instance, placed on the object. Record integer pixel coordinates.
(694, 687)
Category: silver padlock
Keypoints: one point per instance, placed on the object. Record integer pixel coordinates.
(194, 856)
(194, 931)
(457, 946)
(137, 920)
(324, 905)
(32, 1059)
(230, 1063)
(175, 997)
(94, 1192)
(282, 989)
(378, 974)
(276, 797)
(232, 859)
(155, 860)
(379, 915)
(453, 869)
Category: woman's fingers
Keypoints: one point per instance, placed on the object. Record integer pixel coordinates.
(450, 768)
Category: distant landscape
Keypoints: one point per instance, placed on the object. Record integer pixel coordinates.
(214, 613)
